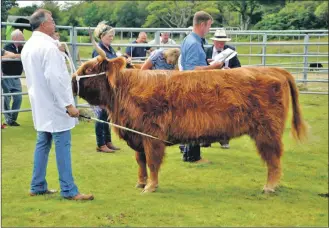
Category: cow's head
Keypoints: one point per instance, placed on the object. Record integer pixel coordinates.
(99, 89)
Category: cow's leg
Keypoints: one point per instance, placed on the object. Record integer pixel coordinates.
(154, 151)
(142, 172)
(271, 151)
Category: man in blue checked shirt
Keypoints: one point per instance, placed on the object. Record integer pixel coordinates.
(193, 57)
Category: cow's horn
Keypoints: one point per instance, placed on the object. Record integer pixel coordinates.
(98, 49)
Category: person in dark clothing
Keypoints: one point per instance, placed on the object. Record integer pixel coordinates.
(219, 40)
(7, 54)
(105, 34)
(13, 85)
(138, 51)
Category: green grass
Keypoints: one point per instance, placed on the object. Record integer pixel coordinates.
(225, 193)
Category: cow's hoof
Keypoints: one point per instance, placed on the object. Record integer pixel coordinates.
(149, 188)
(138, 185)
(268, 190)
(145, 191)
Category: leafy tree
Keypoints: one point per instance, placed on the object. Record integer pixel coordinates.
(6, 5)
(23, 11)
(321, 12)
(54, 8)
(91, 15)
(176, 14)
(247, 10)
(129, 14)
(292, 16)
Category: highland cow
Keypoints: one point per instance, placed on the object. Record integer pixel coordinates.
(193, 106)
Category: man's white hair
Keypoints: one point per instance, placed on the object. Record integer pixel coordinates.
(16, 33)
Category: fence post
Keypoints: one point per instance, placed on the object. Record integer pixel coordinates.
(305, 59)
(74, 46)
(73, 40)
(157, 38)
(264, 49)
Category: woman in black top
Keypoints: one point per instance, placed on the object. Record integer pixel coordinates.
(105, 34)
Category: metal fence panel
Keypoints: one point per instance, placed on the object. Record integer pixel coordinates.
(257, 39)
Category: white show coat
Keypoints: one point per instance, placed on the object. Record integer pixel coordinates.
(48, 83)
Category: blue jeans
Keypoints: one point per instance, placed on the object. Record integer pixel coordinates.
(62, 142)
(102, 130)
(11, 85)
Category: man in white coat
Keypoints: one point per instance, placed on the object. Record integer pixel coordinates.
(52, 103)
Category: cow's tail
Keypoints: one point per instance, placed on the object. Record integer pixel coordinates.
(299, 127)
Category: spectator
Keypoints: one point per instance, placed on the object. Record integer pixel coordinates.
(162, 59)
(105, 34)
(13, 85)
(49, 87)
(7, 54)
(220, 38)
(164, 40)
(193, 57)
(138, 51)
(219, 45)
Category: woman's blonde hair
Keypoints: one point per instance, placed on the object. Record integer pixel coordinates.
(172, 53)
(103, 29)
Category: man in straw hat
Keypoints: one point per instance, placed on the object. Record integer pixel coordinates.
(220, 38)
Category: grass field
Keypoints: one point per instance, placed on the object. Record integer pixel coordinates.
(225, 193)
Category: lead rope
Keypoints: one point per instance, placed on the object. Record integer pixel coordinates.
(124, 128)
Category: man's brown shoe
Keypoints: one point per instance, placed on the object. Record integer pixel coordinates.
(47, 192)
(111, 146)
(81, 197)
(104, 149)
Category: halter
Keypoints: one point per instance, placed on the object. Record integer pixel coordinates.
(78, 77)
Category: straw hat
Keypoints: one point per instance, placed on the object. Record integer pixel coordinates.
(220, 35)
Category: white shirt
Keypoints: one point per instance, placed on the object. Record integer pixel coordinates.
(48, 83)
(215, 52)
(170, 42)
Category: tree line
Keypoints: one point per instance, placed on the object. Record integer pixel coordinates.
(243, 14)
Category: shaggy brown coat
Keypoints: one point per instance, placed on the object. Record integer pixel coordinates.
(194, 106)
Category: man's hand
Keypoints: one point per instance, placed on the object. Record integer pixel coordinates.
(209, 60)
(218, 65)
(128, 60)
(61, 47)
(72, 111)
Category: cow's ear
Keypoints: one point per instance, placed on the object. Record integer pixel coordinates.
(115, 66)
